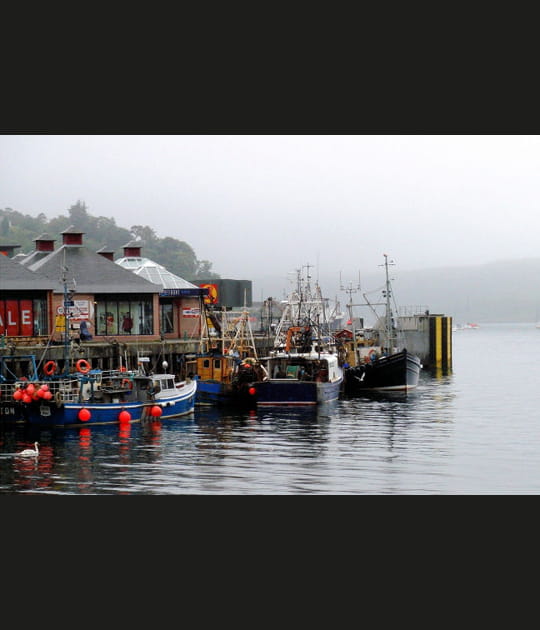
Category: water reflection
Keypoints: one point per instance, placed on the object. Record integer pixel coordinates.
(394, 443)
(367, 444)
(270, 427)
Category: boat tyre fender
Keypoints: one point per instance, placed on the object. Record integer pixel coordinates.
(58, 399)
(49, 368)
(372, 355)
(82, 366)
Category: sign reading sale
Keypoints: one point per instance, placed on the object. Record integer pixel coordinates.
(16, 317)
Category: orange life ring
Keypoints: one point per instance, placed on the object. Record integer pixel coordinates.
(372, 355)
(127, 382)
(83, 366)
(49, 368)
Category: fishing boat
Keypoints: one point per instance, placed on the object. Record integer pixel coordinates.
(79, 395)
(303, 367)
(91, 396)
(227, 363)
(375, 359)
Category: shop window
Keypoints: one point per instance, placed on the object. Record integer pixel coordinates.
(124, 317)
(166, 317)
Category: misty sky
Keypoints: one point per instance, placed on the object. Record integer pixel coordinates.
(264, 205)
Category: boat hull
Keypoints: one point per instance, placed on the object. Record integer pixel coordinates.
(285, 392)
(68, 414)
(10, 412)
(299, 378)
(398, 372)
(224, 394)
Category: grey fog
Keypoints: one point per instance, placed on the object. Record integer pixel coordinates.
(260, 206)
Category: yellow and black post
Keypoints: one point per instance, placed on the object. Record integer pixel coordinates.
(440, 341)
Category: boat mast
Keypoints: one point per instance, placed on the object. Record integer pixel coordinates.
(304, 307)
(290, 314)
(238, 334)
(350, 290)
(390, 337)
(67, 304)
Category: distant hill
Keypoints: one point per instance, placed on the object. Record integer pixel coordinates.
(502, 291)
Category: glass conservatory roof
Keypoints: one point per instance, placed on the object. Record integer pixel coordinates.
(155, 273)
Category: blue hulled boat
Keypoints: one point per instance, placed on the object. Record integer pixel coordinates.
(87, 397)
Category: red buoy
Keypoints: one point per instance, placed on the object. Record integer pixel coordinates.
(124, 416)
(156, 411)
(252, 391)
(84, 415)
(17, 394)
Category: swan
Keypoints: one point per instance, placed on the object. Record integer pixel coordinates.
(30, 451)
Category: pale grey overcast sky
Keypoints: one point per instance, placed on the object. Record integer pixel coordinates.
(264, 205)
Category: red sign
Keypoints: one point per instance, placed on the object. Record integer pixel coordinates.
(191, 312)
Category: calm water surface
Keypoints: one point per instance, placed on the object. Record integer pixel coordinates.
(474, 430)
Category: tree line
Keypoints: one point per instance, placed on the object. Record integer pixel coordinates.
(177, 256)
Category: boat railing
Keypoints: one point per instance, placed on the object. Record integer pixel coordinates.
(412, 311)
(108, 374)
(65, 389)
(6, 391)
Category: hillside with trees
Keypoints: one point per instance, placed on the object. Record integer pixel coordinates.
(177, 256)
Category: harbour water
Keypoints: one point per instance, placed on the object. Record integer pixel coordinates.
(472, 430)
